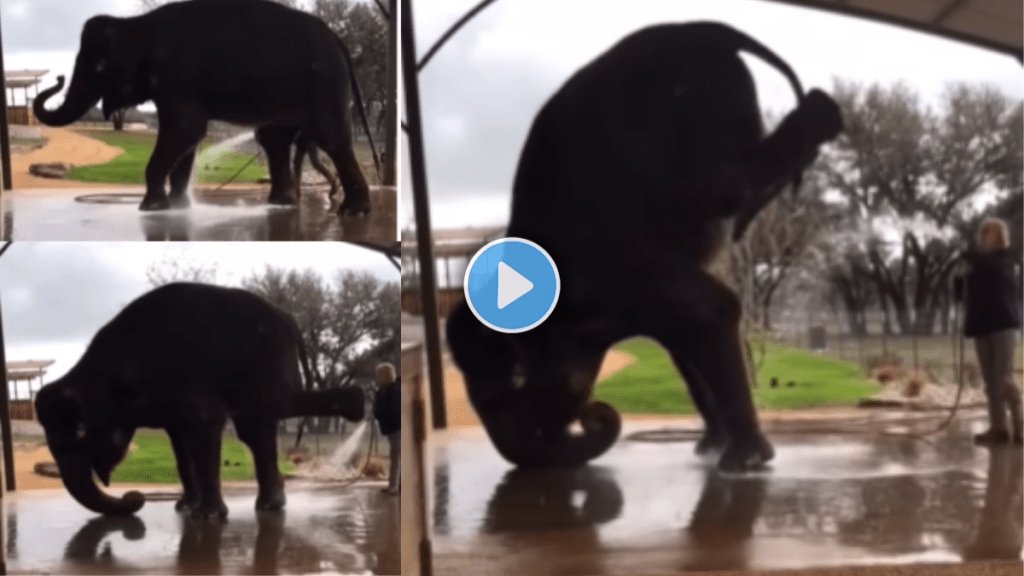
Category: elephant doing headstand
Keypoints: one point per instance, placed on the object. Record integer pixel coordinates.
(184, 358)
(247, 62)
(635, 174)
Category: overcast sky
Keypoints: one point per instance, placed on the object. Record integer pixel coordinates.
(481, 92)
(56, 295)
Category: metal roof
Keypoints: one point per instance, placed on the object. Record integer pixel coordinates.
(27, 369)
(994, 24)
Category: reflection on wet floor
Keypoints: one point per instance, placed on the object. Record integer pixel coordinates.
(646, 507)
(235, 215)
(324, 529)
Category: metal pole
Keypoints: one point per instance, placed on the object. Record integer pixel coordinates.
(5, 416)
(421, 202)
(391, 110)
(5, 131)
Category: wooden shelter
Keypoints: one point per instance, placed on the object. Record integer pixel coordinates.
(458, 244)
(31, 372)
(20, 114)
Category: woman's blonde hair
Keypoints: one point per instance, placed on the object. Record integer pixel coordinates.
(386, 373)
(993, 234)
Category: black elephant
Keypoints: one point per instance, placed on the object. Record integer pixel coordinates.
(184, 358)
(247, 62)
(634, 176)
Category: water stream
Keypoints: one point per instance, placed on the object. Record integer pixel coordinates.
(344, 453)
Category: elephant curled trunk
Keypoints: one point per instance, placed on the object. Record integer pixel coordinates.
(79, 99)
(519, 438)
(76, 473)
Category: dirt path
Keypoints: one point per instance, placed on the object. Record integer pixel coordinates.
(65, 146)
(460, 412)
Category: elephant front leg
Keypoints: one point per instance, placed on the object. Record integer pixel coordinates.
(179, 135)
(181, 177)
(203, 439)
(186, 472)
(277, 143)
(261, 438)
(700, 321)
(715, 435)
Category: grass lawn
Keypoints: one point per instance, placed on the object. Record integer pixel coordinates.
(130, 167)
(154, 462)
(651, 385)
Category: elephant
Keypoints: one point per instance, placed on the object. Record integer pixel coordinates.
(634, 177)
(252, 63)
(183, 358)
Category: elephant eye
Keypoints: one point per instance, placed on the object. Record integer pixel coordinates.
(101, 66)
(80, 432)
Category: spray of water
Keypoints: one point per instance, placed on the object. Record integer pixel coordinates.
(211, 157)
(344, 453)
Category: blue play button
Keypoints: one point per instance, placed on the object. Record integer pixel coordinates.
(512, 285)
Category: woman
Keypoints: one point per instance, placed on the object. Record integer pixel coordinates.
(387, 409)
(992, 316)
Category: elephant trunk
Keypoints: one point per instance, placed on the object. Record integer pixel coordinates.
(349, 402)
(76, 473)
(79, 99)
(519, 440)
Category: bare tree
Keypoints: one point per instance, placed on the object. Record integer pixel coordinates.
(169, 270)
(901, 163)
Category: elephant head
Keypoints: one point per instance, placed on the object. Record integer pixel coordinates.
(110, 66)
(527, 404)
(83, 440)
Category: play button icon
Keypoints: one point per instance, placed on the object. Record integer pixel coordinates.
(512, 285)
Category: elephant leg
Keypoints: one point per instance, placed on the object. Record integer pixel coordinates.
(300, 157)
(314, 160)
(277, 143)
(715, 436)
(180, 133)
(261, 438)
(339, 146)
(701, 324)
(181, 177)
(203, 439)
(186, 472)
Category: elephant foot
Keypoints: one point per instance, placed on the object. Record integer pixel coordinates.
(281, 200)
(713, 440)
(154, 203)
(271, 503)
(186, 503)
(217, 510)
(746, 455)
(180, 201)
(354, 208)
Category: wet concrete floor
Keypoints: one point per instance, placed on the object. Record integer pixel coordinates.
(324, 529)
(239, 214)
(653, 507)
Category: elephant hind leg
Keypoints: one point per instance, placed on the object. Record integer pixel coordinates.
(314, 159)
(261, 438)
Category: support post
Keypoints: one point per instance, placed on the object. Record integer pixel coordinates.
(391, 110)
(5, 415)
(5, 131)
(424, 236)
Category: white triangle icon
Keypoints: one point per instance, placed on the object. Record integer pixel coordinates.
(511, 285)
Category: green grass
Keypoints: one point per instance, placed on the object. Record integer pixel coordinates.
(651, 385)
(130, 167)
(153, 461)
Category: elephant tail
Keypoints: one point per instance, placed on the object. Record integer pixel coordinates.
(719, 33)
(307, 377)
(358, 94)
